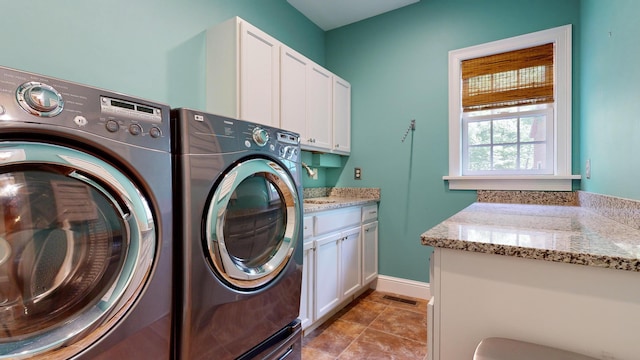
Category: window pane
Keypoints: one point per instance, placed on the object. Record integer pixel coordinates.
(505, 131)
(479, 133)
(480, 158)
(533, 129)
(505, 157)
(533, 156)
(507, 141)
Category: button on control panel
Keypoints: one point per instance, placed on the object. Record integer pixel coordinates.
(135, 129)
(112, 126)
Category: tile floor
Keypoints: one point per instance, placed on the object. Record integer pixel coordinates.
(371, 327)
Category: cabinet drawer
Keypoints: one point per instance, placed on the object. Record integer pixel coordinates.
(307, 227)
(336, 220)
(370, 213)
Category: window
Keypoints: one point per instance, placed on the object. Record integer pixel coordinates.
(514, 140)
(510, 114)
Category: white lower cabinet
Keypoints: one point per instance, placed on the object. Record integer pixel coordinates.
(369, 252)
(307, 296)
(335, 259)
(338, 269)
(327, 273)
(337, 241)
(350, 262)
(369, 243)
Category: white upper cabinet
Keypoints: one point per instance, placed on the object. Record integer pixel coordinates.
(306, 100)
(293, 91)
(341, 116)
(259, 76)
(319, 108)
(243, 73)
(252, 76)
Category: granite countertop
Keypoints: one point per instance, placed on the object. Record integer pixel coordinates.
(334, 202)
(569, 234)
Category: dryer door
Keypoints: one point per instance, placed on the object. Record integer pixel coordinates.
(77, 243)
(253, 223)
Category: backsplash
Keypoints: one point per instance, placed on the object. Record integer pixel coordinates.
(624, 211)
(561, 198)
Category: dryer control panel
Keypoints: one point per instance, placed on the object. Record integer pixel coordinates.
(210, 134)
(278, 142)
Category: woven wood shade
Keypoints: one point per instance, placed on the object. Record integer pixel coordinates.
(519, 77)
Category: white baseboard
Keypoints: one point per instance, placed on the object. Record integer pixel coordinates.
(412, 288)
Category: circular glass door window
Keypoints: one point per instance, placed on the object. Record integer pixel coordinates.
(63, 244)
(77, 243)
(253, 223)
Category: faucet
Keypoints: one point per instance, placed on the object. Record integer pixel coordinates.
(310, 171)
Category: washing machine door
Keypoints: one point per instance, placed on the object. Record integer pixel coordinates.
(253, 223)
(77, 242)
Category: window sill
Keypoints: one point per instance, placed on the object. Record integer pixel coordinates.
(523, 182)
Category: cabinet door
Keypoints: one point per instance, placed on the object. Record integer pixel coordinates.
(259, 76)
(319, 107)
(293, 92)
(369, 252)
(350, 262)
(307, 294)
(341, 116)
(327, 262)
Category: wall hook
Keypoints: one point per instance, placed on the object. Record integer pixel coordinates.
(412, 127)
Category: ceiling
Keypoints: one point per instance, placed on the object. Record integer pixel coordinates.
(331, 14)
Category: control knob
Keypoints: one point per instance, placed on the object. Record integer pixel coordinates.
(39, 99)
(260, 136)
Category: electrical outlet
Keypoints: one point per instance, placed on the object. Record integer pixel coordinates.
(587, 169)
(357, 173)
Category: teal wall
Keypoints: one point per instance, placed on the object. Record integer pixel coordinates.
(610, 96)
(153, 49)
(397, 64)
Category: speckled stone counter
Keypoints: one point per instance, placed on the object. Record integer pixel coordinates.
(567, 234)
(320, 199)
(506, 269)
(334, 202)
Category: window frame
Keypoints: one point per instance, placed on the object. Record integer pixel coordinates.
(561, 177)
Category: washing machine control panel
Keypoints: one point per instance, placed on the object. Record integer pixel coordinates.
(42, 103)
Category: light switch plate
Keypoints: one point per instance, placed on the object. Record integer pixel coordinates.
(587, 169)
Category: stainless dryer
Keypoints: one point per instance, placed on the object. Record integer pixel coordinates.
(85, 222)
(240, 243)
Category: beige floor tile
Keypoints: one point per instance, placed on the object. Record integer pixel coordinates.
(371, 327)
(403, 323)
